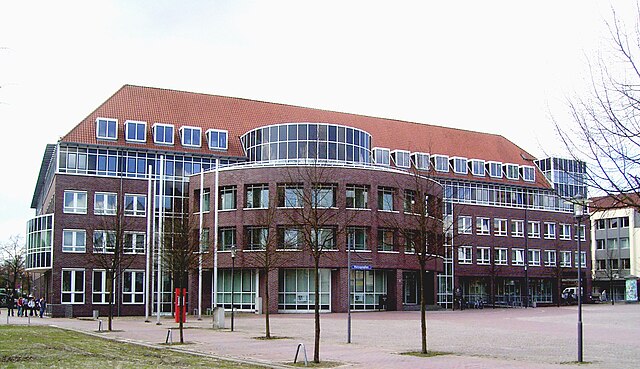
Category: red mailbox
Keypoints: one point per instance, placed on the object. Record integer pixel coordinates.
(181, 300)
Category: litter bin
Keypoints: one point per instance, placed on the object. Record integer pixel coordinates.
(382, 302)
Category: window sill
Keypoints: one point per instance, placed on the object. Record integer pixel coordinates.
(388, 211)
(388, 252)
(358, 209)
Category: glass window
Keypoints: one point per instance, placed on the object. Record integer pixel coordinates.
(483, 255)
(459, 165)
(104, 203)
(612, 243)
(385, 198)
(134, 243)
(226, 238)
(517, 228)
(420, 160)
(483, 226)
(600, 224)
(381, 156)
(74, 240)
(357, 197)
(534, 229)
(290, 195)
(533, 257)
(227, 196)
(163, 134)
(440, 163)
(565, 231)
(136, 131)
(100, 292)
(500, 256)
(205, 240)
(517, 257)
(495, 169)
(528, 173)
(465, 224)
(107, 128)
(257, 196)
(104, 241)
(135, 205)
(624, 243)
(550, 231)
(257, 238)
(624, 222)
(583, 259)
(625, 263)
(75, 202)
(325, 237)
(511, 171)
(133, 287)
(290, 238)
(323, 196)
(465, 255)
(565, 259)
(191, 136)
(357, 238)
(600, 244)
(550, 258)
(477, 167)
(72, 286)
(217, 139)
(500, 227)
(401, 158)
(613, 223)
(386, 239)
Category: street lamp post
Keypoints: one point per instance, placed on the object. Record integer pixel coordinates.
(578, 212)
(233, 267)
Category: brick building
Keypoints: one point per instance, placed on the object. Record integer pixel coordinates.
(228, 163)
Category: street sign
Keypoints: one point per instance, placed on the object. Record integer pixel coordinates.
(361, 267)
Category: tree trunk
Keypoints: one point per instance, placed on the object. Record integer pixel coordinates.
(316, 308)
(265, 306)
(423, 309)
(181, 311)
(110, 283)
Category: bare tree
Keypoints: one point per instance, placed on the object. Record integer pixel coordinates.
(13, 252)
(181, 252)
(606, 130)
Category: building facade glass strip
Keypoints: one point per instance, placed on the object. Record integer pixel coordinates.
(39, 242)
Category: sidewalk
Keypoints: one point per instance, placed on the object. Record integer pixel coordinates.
(489, 338)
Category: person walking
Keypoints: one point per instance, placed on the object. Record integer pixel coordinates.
(32, 305)
(43, 305)
(10, 305)
(20, 306)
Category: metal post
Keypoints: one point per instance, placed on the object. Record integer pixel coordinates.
(233, 267)
(349, 291)
(578, 212)
(526, 250)
(147, 269)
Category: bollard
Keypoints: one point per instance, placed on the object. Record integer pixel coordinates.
(169, 339)
(304, 349)
(100, 325)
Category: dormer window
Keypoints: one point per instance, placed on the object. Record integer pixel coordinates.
(440, 163)
(191, 136)
(401, 158)
(163, 134)
(107, 129)
(511, 171)
(494, 168)
(135, 131)
(528, 173)
(477, 167)
(459, 165)
(381, 156)
(420, 160)
(217, 139)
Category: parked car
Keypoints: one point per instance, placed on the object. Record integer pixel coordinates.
(4, 299)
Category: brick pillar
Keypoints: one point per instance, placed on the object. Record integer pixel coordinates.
(398, 291)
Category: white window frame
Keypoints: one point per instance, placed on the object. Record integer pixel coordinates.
(133, 293)
(565, 259)
(547, 258)
(155, 133)
(465, 255)
(73, 247)
(511, 171)
(381, 156)
(104, 249)
(534, 257)
(533, 229)
(103, 292)
(459, 164)
(483, 226)
(477, 167)
(528, 173)
(494, 169)
(517, 257)
(420, 160)
(483, 256)
(135, 212)
(105, 209)
(106, 136)
(565, 231)
(401, 158)
(465, 224)
(75, 208)
(438, 161)
(132, 249)
(583, 259)
(500, 227)
(517, 228)
(135, 124)
(501, 256)
(351, 238)
(189, 129)
(73, 291)
(550, 231)
(218, 132)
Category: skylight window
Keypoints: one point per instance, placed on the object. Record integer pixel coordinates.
(381, 156)
(217, 139)
(459, 165)
(191, 136)
(135, 131)
(163, 134)
(440, 163)
(495, 169)
(420, 160)
(401, 158)
(477, 167)
(511, 171)
(107, 128)
(528, 173)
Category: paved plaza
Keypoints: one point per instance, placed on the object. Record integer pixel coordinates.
(489, 338)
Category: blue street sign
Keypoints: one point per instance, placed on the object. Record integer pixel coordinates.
(361, 267)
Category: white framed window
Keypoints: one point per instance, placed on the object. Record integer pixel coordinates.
(74, 240)
(134, 243)
(511, 171)
(549, 231)
(494, 168)
(483, 226)
(135, 131)
(323, 196)
(565, 259)
(550, 258)
(582, 233)
(459, 165)
(205, 204)
(386, 239)
(624, 243)
(104, 242)
(257, 238)
(440, 163)
(583, 259)
(534, 229)
(226, 238)
(381, 156)
(99, 287)
(204, 240)
(533, 257)
(357, 197)
(217, 139)
(477, 167)
(191, 136)
(227, 199)
(401, 158)
(465, 255)
(104, 203)
(500, 256)
(465, 224)
(517, 256)
(257, 196)
(326, 238)
(385, 198)
(528, 173)
(358, 238)
(133, 287)
(499, 227)
(565, 231)
(107, 128)
(517, 228)
(420, 160)
(72, 286)
(290, 238)
(135, 205)
(163, 134)
(483, 255)
(75, 202)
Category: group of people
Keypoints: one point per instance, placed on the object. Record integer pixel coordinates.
(27, 306)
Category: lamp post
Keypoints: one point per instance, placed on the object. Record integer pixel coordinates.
(233, 267)
(578, 213)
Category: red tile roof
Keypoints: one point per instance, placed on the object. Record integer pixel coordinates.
(155, 105)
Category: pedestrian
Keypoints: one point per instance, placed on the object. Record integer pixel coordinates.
(20, 306)
(10, 305)
(31, 305)
(43, 305)
(603, 296)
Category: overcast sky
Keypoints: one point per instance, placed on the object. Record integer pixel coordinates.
(502, 67)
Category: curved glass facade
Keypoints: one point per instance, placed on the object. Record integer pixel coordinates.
(39, 242)
(292, 141)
